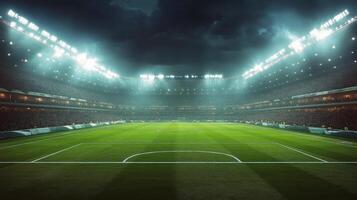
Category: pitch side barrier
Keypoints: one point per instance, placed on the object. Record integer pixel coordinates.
(313, 130)
(46, 130)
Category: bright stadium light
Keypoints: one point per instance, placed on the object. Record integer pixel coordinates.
(297, 45)
(23, 20)
(45, 34)
(11, 13)
(33, 27)
(74, 50)
(53, 38)
(19, 28)
(327, 29)
(58, 52)
(12, 24)
(160, 76)
(213, 76)
(320, 34)
(60, 47)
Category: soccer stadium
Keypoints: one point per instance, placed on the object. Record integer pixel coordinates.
(178, 99)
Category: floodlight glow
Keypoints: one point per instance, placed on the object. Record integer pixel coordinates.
(90, 64)
(33, 27)
(60, 47)
(297, 46)
(45, 34)
(316, 35)
(147, 77)
(213, 76)
(74, 50)
(12, 24)
(58, 52)
(143, 76)
(160, 76)
(53, 38)
(81, 58)
(320, 34)
(19, 28)
(11, 13)
(23, 20)
(39, 55)
(62, 44)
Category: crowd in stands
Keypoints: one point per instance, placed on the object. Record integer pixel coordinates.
(26, 118)
(17, 79)
(335, 118)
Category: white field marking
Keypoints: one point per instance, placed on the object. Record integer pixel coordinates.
(145, 143)
(120, 162)
(299, 151)
(157, 152)
(317, 138)
(51, 138)
(57, 152)
(343, 143)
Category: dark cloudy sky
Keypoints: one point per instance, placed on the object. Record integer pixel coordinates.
(179, 36)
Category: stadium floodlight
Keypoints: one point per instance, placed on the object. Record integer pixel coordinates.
(12, 24)
(320, 34)
(297, 45)
(45, 34)
(11, 13)
(143, 76)
(33, 26)
(23, 20)
(74, 50)
(160, 76)
(316, 35)
(213, 76)
(90, 64)
(53, 38)
(58, 52)
(62, 44)
(147, 77)
(60, 47)
(81, 58)
(39, 55)
(19, 28)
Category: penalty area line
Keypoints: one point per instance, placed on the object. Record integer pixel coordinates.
(57, 152)
(301, 152)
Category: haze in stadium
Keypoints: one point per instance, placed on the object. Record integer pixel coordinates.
(178, 99)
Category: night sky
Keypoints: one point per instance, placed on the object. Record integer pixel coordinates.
(179, 36)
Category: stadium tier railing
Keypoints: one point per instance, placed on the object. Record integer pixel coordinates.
(46, 130)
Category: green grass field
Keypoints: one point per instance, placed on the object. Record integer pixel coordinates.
(178, 161)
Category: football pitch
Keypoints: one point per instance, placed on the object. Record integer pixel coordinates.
(177, 160)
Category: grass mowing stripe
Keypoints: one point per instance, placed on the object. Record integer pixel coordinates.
(57, 152)
(299, 151)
